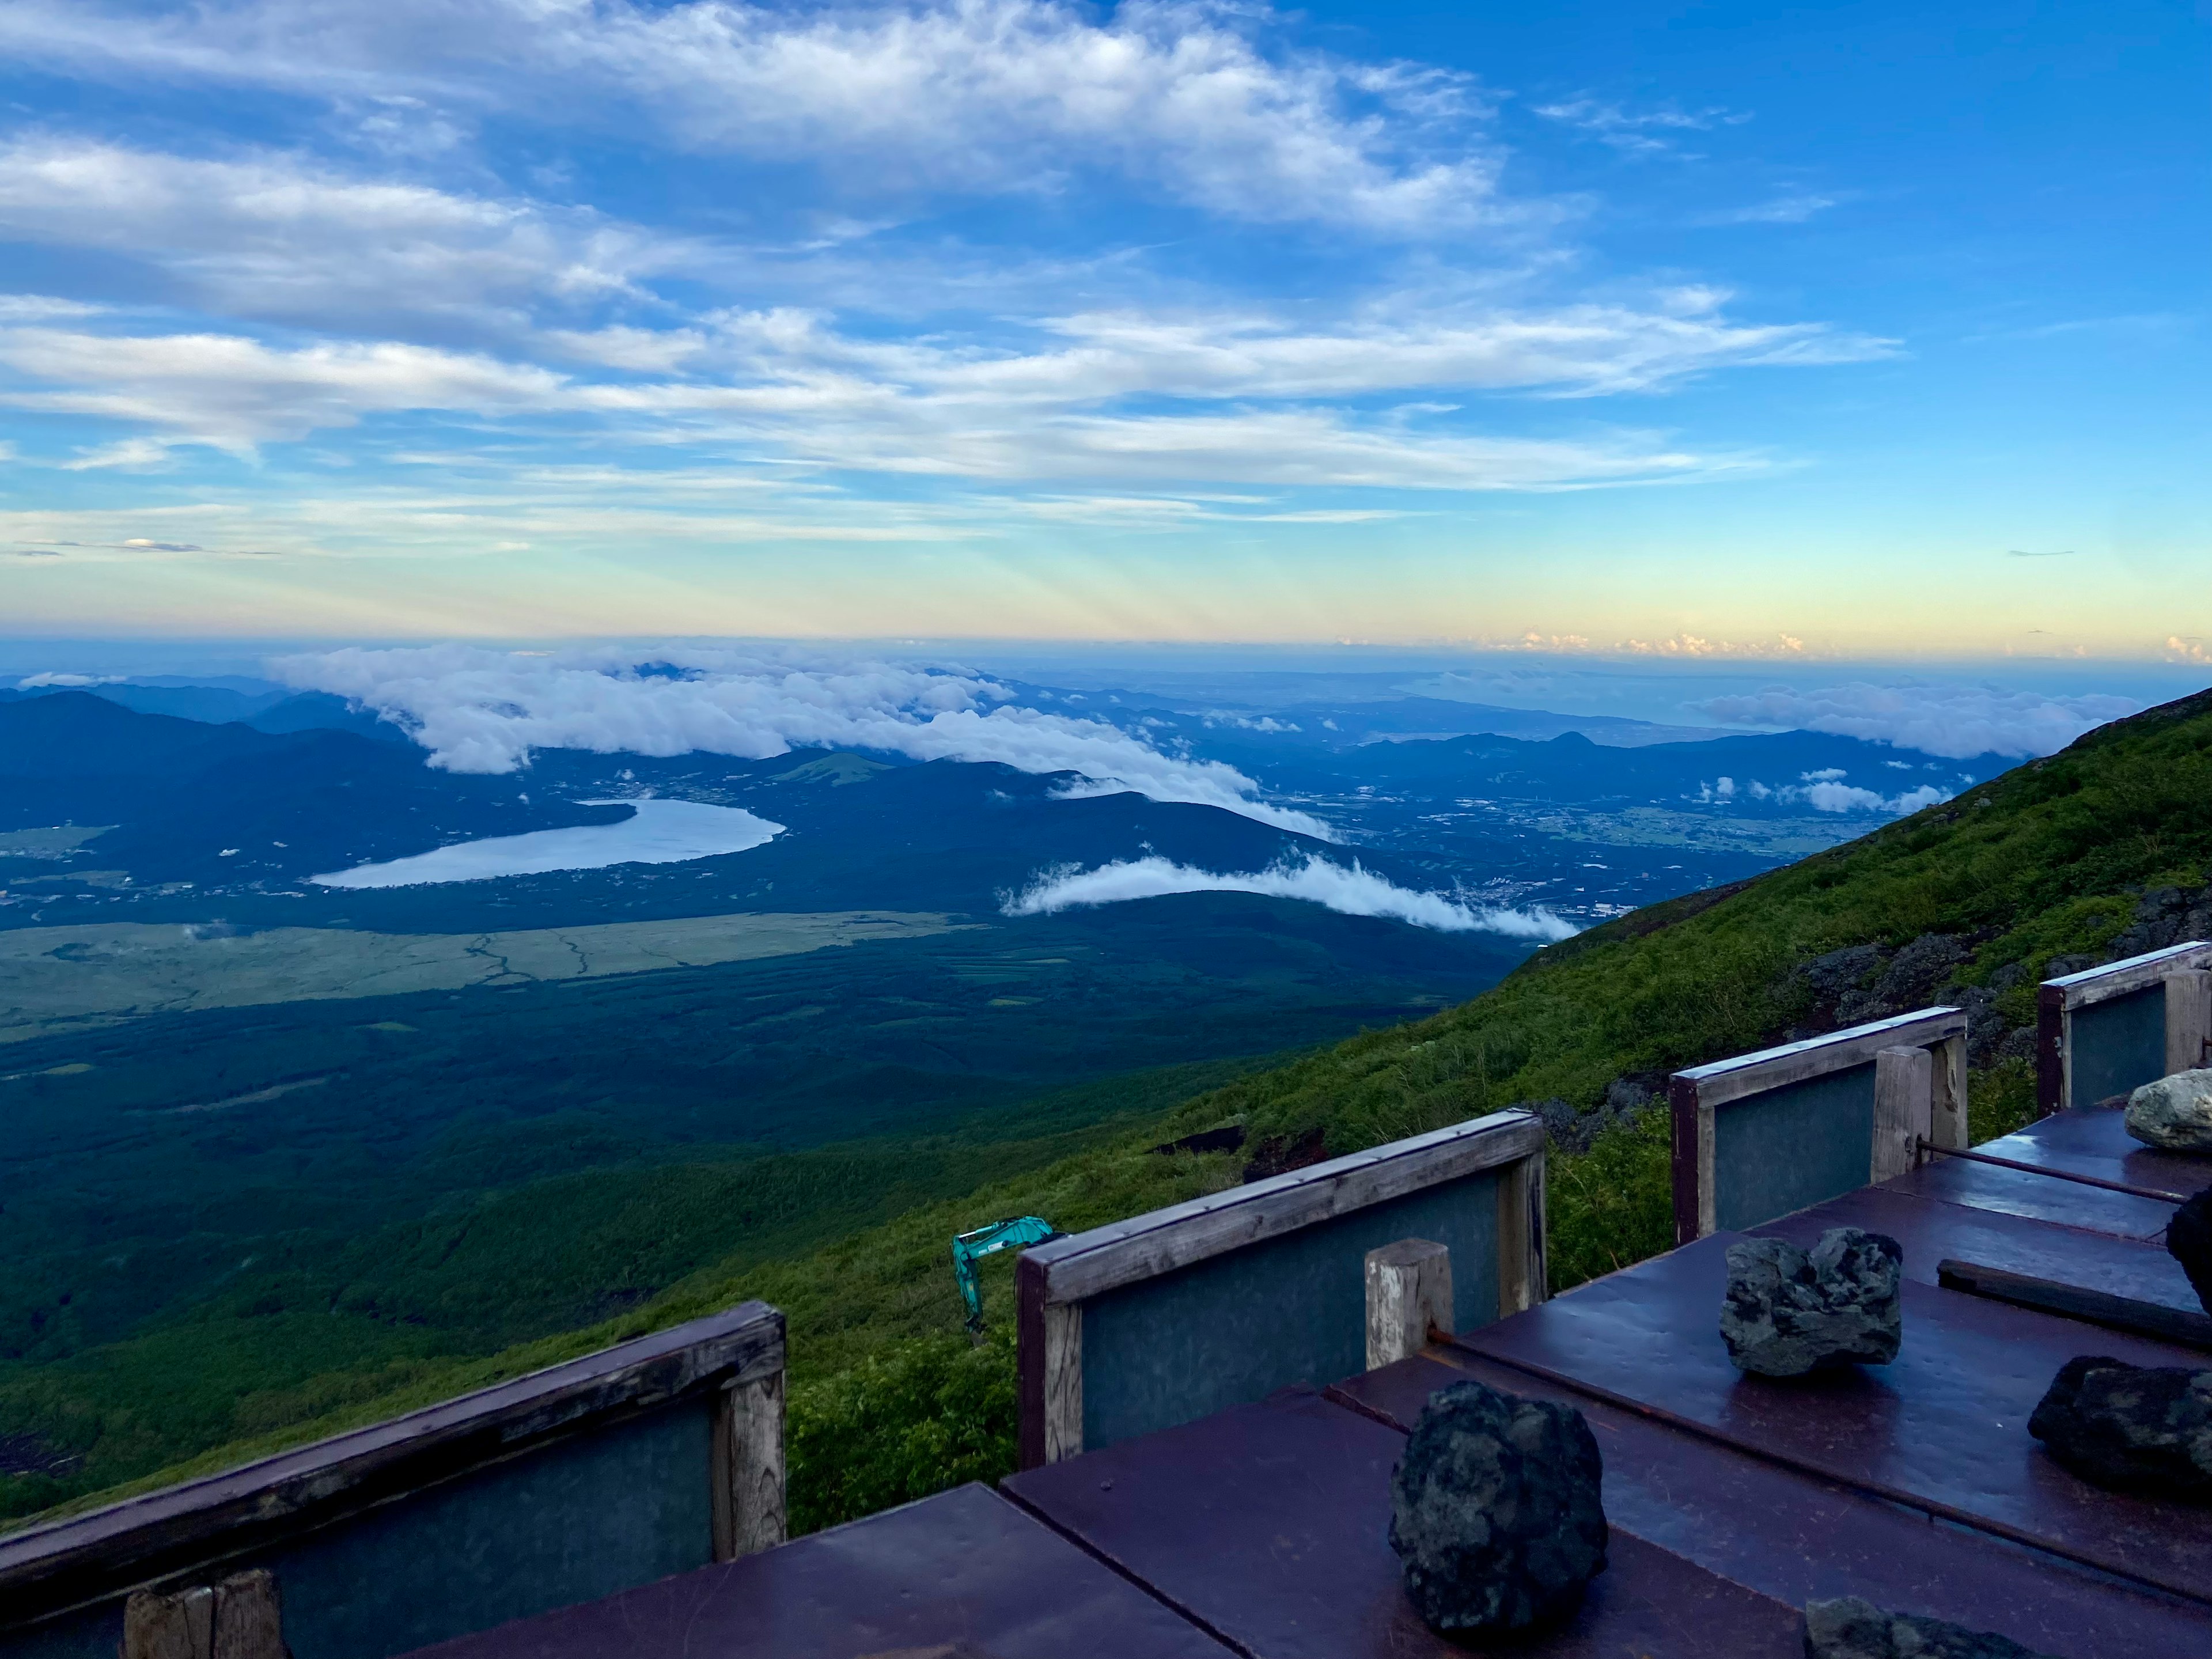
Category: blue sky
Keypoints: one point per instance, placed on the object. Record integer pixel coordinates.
(1618, 329)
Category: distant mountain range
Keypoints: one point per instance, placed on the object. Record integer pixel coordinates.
(302, 784)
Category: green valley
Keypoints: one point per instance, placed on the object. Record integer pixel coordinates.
(2097, 852)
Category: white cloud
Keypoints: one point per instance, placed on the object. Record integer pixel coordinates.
(1832, 797)
(40, 307)
(1572, 351)
(478, 710)
(1825, 791)
(1354, 892)
(788, 383)
(280, 236)
(1779, 211)
(1634, 132)
(1191, 100)
(476, 300)
(1954, 721)
(232, 393)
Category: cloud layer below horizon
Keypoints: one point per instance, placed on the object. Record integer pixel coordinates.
(479, 710)
(1955, 721)
(1351, 892)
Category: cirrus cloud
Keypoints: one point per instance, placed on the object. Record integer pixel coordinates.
(278, 236)
(1188, 101)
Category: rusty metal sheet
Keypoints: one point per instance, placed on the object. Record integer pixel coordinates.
(2035, 1198)
(1269, 1524)
(964, 1573)
(1796, 1536)
(2094, 1140)
(1931, 1230)
(1943, 1427)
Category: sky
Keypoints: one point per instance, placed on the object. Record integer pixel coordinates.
(1615, 331)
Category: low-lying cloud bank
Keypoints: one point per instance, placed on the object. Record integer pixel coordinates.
(1826, 792)
(1954, 721)
(479, 710)
(1354, 892)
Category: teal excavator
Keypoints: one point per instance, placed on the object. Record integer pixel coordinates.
(968, 1248)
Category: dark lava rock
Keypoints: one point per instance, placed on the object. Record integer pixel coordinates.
(1635, 1091)
(1562, 1122)
(1839, 974)
(1788, 1312)
(2163, 916)
(1229, 1140)
(1495, 1513)
(1915, 971)
(1280, 1154)
(1626, 1100)
(2189, 1241)
(1848, 1628)
(2130, 1428)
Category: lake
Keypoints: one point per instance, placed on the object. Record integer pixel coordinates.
(656, 832)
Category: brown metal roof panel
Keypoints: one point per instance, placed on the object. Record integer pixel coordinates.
(962, 1572)
(1931, 1230)
(1942, 1428)
(1796, 1537)
(2094, 1140)
(1269, 1524)
(2035, 1198)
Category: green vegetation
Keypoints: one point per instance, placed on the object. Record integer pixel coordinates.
(230, 1224)
(888, 1403)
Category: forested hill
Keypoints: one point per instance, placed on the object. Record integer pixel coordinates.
(2096, 853)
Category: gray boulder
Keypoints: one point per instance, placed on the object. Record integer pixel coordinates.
(1495, 1511)
(2130, 1428)
(2173, 1114)
(1848, 1628)
(1788, 1312)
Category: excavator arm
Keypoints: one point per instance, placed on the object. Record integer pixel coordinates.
(968, 1248)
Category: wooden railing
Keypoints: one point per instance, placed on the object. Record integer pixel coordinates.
(1762, 1134)
(646, 1459)
(1169, 1315)
(2109, 1030)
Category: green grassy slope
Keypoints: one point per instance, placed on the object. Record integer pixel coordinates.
(2093, 854)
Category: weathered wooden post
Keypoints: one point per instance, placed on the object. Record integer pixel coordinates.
(1948, 1108)
(748, 1474)
(1409, 1294)
(1524, 1273)
(2188, 1019)
(1903, 1109)
(237, 1619)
